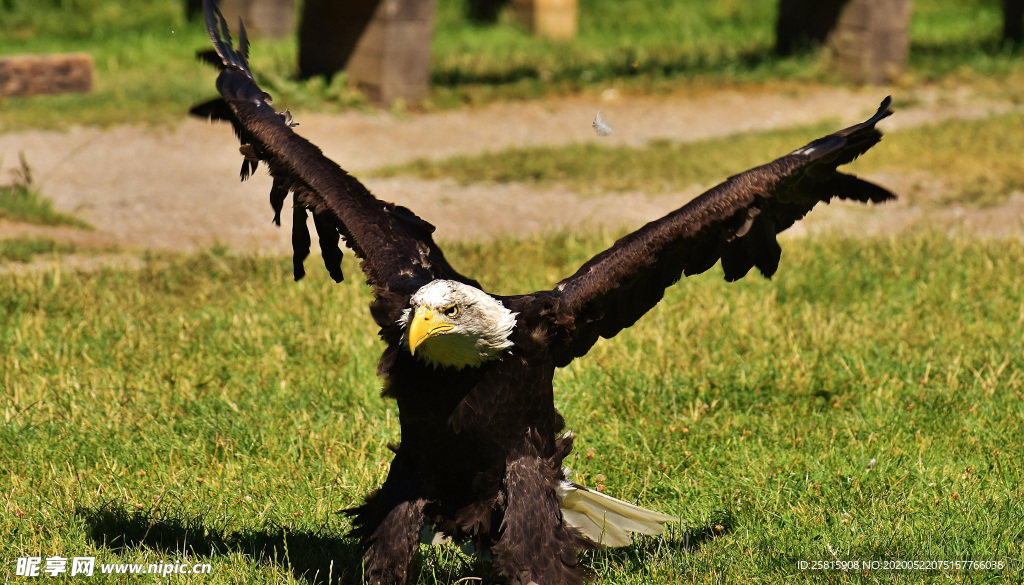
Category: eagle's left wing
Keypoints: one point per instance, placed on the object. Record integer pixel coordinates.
(737, 222)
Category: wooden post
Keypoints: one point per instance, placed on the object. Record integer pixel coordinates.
(1013, 21)
(22, 75)
(871, 40)
(383, 45)
(557, 20)
(274, 19)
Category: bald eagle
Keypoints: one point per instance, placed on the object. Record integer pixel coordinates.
(480, 458)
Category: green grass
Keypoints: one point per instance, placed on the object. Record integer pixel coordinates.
(20, 202)
(19, 250)
(206, 403)
(144, 53)
(146, 71)
(976, 158)
(950, 35)
(639, 44)
(653, 45)
(979, 160)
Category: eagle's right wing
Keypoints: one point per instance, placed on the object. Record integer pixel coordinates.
(398, 252)
(735, 222)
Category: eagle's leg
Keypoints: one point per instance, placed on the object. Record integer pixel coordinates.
(535, 545)
(391, 547)
(389, 523)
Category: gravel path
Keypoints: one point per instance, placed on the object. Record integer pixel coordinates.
(178, 189)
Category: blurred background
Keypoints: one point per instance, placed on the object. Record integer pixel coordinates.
(483, 50)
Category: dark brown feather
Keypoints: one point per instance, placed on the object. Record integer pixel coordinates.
(278, 193)
(300, 241)
(327, 231)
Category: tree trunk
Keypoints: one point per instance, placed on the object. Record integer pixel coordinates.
(383, 45)
(1013, 21)
(329, 33)
(805, 24)
(263, 18)
(484, 11)
(193, 8)
(871, 41)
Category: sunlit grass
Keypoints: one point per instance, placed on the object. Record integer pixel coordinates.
(635, 44)
(147, 72)
(20, 250)
(864, 404)
(657, 45)
(19, 202)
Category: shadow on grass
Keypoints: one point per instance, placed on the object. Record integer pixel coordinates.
(626, 63)
(649, 551)
(318, 558)
(324, 558)
(983, 55)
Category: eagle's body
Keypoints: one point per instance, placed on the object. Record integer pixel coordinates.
(482, 443)
(467, 433)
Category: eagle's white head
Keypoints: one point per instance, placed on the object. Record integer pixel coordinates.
(455, 325)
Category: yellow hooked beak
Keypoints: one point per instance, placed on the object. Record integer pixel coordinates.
(424, 325)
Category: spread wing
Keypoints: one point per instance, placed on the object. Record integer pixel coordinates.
(735, 222)
(397, 250)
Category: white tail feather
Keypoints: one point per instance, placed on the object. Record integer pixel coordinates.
(607, 520)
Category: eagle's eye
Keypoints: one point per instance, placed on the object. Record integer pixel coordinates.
(451, 311)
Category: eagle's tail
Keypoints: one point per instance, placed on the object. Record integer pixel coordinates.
(602, 519)
(606, 520)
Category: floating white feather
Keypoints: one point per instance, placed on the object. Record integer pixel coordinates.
(601, 126)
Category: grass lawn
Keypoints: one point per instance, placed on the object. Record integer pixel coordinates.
(866, 404)
(26, 250)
